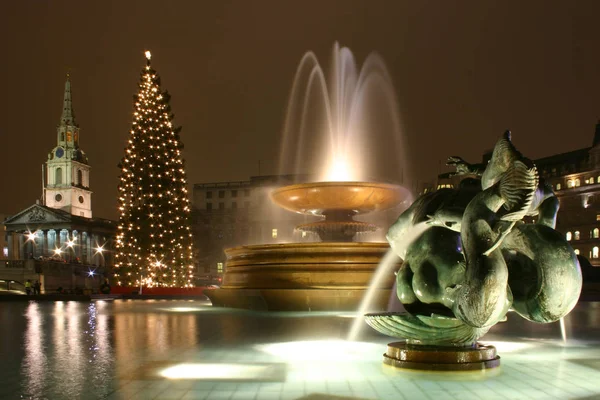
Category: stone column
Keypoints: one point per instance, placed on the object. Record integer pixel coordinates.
(11, 250)
(45, 250)
(90, 248)
(63, 239)
(85, 258)
(76, 237)
(21, 246)
(51, 241)
(37, 243)
(97, 255)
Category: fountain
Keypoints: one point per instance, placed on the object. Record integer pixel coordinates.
(333, 274)
(477, 260)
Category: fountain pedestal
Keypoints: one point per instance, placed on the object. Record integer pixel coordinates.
(332, 275)
(441, 358)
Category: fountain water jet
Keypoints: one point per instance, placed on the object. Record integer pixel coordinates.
(389, 261)
(357, 106)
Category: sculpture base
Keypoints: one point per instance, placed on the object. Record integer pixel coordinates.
(438, 358)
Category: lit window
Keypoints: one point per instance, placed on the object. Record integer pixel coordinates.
(595, 252)
(597, 217)
(592, 179)
(569, 236)
(558, 186)
(577, 183)
(220, 267)
(274, 233)
(570, 183)
(577, 251)
(577, 235)
(5, 251)
(596, 233)
(303, 233)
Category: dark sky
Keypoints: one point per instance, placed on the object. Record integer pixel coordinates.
(464, 71)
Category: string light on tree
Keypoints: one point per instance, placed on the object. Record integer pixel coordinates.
(154, 239)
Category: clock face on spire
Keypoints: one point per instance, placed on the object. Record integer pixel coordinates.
(59, 152)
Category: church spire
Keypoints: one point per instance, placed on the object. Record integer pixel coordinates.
(68, 117)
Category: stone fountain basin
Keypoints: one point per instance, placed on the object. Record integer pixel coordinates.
(351, 198)
(302, 277)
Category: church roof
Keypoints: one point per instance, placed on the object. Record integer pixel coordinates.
(39, 216)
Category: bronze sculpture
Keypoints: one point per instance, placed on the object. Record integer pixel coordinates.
(477, 260)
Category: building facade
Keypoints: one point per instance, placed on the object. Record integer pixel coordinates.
(59, 233)
(231, 214)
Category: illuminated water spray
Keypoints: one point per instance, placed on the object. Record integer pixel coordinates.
(335, 124)
(384, 268)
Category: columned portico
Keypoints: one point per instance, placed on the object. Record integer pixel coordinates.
(50, 230)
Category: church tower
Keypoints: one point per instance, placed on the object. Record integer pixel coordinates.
(67, 185)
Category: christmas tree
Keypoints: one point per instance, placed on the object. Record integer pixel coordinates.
(154, 239)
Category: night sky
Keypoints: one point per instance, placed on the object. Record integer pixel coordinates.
(464, 71)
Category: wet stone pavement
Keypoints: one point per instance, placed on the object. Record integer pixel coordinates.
(151, 349)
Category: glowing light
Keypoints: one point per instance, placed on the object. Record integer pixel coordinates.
(31, 236)
(217, 371)
(334, 350)
(70, 243)
(58, 252)
(339, 171)
(509, 347)
(183, 309)
(148, 55)
(99, 249)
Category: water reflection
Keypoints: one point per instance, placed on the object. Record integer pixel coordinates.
(76, 359)
(155, 332)
(35, 361)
